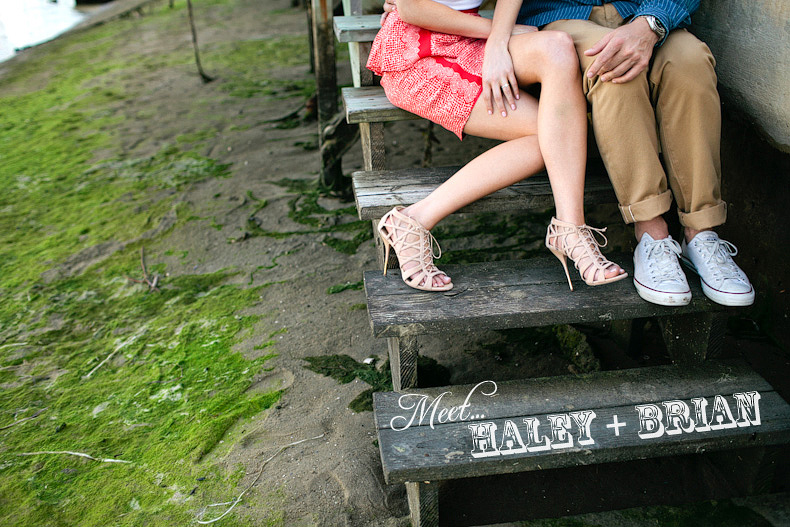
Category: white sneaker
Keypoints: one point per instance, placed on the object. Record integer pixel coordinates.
(657, 274)
(722, 280)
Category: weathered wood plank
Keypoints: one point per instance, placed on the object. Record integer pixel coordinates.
(565, 393)
(377, 192)
(364, 28)
(356, 28)
(436, 456)
(475, 444)
(370, 105)
(513, 294)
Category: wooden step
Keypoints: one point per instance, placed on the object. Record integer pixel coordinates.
(377, 192)
(556, 422)
(356, 28)
(363, 28)
(369, 105)
(510, 294)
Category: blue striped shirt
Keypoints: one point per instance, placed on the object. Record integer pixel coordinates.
(671, 13)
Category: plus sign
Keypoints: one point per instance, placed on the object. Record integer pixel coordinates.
(616, 425)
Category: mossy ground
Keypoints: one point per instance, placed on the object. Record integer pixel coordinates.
(100, 157)
(172, 386)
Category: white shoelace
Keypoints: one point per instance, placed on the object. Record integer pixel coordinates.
(718, 258)
(663, 257)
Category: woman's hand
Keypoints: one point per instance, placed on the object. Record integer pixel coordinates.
(499, 78)
(389, 7)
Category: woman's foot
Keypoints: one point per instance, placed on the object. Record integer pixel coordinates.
(578, 243)
(413, 245)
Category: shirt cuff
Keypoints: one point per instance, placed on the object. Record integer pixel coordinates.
(661, 17)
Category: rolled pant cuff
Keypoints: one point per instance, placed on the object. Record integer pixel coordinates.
(705, 218)
(647, 209)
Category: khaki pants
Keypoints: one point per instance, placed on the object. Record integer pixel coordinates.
(675, 104)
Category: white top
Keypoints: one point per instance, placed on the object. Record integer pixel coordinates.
(461, 5)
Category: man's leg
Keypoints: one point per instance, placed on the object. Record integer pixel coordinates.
(624, 122)
(688, 112)
(679, 93)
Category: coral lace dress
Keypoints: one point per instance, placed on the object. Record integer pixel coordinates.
(434, 75)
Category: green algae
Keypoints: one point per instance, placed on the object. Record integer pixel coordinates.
(339, 288)
(345, 369)
(513, 345)
(304, 208)
(269, 55)
(501, 237)
(196, 137)
(170, 391)
(55, 203)
(116, 371)
(576, 349)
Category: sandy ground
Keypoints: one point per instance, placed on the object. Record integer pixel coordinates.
(335, 480)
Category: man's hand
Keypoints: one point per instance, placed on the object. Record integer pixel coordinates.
(624, 53)
(389, 7)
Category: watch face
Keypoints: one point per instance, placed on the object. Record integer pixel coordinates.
(656, 26)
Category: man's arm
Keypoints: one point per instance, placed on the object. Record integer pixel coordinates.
(671, 13)
(626, 51)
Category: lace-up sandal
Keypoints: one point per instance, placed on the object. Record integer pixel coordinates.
(578, 242)
(414, 247)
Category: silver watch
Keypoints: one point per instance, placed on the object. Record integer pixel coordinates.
(655, 26)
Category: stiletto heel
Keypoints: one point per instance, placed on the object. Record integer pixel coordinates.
(386, 253)
(403, 233)
(583, 249)
(561, 257)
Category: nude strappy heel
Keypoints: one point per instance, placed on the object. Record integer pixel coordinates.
(585, 248)
(402, 233)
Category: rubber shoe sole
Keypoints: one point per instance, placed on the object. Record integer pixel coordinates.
(662, 298)
(718, 296)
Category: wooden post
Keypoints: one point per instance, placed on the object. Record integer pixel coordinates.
(403, 353)
(691, 338)
(423, 503)
(326, 81)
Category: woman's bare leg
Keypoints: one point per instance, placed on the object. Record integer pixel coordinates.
(510, 162)
(554, 132)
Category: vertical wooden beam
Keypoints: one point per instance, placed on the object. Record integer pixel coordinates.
(309, 10)
(403, 353)
(691, 338)
(326, 79)
(373, 153)
(423, 503)
(324, 51)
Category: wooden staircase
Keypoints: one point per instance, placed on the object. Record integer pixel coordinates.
(529, 425)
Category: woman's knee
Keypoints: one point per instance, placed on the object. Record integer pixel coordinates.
(558, 52)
